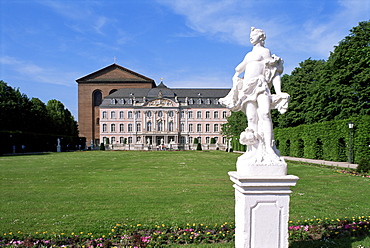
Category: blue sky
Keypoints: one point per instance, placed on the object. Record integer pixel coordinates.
(45, 45)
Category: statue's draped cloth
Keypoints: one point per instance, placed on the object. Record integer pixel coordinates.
(244, 91)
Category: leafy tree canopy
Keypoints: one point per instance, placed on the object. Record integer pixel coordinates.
(19, 113)
(324, 90)
(334, 89)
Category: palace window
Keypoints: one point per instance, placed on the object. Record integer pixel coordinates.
(224, 114)
(113, 140)
(190, 114)
(113, 128)
(105, 115)
(160, 113)
(113, 115)
(129, 127)
(170, 126)
(121, 140)
(159, 126)
(149, 126)
(199, 114)
(138, 127)
(182, 127)
(129, 140)
(215, 128)
(170, 113)
(207, 140)
(215, 115)
(137, 114)
(129, 114)
(104, 128)
(149, 114)
(121, 114)
(207, 114)
(199, 127)
(121, 129)
(190, 127)
(207, 128)
(182, 114)
(199, 101)
(182, 140)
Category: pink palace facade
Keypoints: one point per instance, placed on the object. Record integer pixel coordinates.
(163, 118)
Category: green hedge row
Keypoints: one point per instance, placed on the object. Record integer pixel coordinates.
(21, 142)
(328, 140)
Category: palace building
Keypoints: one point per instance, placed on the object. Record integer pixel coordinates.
(126, 110)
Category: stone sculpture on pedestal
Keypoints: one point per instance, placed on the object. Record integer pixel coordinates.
(251, 94)
(261, 183)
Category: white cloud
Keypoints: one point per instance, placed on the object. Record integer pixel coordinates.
(230, 20)
(81, 15)
(34, 73)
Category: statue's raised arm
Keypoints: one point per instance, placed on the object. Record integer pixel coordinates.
(251, 94)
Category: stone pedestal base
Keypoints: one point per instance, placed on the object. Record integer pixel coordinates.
(262, 210)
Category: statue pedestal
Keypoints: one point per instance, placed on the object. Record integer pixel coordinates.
(262, 210)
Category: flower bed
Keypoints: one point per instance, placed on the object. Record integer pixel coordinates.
(315, 229)
(125, 235)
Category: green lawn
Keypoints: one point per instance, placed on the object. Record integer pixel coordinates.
(91, 191)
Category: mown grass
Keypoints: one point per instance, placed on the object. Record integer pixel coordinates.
(91, 191)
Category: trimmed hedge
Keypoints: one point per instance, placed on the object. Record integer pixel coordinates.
(34, 142)
(328, 140)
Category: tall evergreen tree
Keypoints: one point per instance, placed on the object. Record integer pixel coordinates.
(325, 90)
(14, 109)
(236, 123)
(348, 68)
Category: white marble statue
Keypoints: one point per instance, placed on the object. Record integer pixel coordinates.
(251, 94)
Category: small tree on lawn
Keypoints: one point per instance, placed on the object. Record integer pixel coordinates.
(102, 147)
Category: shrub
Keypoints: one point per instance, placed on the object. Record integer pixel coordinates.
(213, 141)
(196, 141)
(363, 165)
(199, 147)
(102, 147)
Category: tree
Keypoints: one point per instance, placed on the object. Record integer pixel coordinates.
(348, 68)
(324, 90)
(304, 88)
(62, 120)
(14, 109)
(40, 117)
(236, 123)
